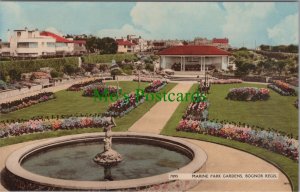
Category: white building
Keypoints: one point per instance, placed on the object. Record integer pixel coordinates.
(132, 44)
(125, 46)
(33, 43)
(29, 43)
(222, 43)
(194, 58)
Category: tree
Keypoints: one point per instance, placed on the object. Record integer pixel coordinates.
(108, 45)
(91, 44)
(264, 47)
(105, 45)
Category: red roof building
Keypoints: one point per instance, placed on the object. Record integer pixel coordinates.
(58, 38)
(193, 50)
(125, 46)
(194, 58)
(124, 42)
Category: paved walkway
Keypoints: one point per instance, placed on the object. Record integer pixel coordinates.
(48, 89)
(157, 117)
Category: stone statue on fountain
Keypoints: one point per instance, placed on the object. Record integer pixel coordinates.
(108, 157)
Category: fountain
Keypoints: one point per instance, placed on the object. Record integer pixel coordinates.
(138, 162)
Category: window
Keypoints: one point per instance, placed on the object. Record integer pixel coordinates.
(27, 45)
(5, 45)
(61, 45)
(19, 34)
(49, 44)
(193, 59)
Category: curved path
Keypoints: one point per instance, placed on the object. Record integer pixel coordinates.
(221, 159)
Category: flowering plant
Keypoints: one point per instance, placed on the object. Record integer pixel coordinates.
(124, 105)
(26, 102)
(41, 125)
(80, 86)
(88, 91)
(225, 81)
(282, 88)
(270, 140)
(155, 86)
(248, 94)
(197, 111)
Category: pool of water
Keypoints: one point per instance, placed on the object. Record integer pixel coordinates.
(75, 162)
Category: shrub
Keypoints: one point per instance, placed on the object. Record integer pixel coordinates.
(116, 71)
(149, 67)
(55, 74)
(26, 66)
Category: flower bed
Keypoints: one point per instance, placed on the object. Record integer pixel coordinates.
(144, 79)
(124, 105)
(267, 139)
(155, 86)
(26, 102)
(88, 91)
(282, 88)
(41, 125)
(80, 86)
(197, 111)
(225, 81)
(248, 94)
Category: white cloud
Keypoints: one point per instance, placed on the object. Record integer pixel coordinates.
(178, 20)
(162, 20)
(246, 22)
(286, 31)
(122, 32)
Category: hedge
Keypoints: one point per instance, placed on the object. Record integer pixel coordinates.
(107, 58)
(26, 66)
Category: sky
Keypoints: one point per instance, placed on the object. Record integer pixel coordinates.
(245, 24)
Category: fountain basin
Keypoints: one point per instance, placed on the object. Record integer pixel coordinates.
(21, 178)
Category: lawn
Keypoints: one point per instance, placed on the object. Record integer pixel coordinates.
(287, 165)
(278, 112)
(70, 102)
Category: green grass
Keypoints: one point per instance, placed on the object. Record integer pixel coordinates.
(278, 112)
(68, 102)
(288, 166)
